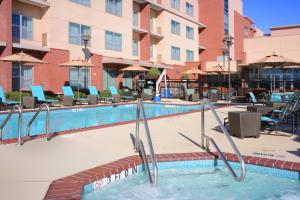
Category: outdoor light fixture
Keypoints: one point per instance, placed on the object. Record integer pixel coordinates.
(86, 38)
(228, 42)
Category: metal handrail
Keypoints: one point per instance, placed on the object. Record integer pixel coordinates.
(20, 122)
(139, 144)
(224, 130)
(42, 106)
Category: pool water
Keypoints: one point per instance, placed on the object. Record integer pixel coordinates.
(196, 184)
(70, 119)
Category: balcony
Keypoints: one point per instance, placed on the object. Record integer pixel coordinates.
(201, 47)
(2, 44)
(139, 30)
(39, 3)
(32, 45)
(157, 34)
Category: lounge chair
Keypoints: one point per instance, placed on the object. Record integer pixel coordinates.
(115, 94)
(38, 92)
(189, 94)
(254, 101)
(147, 94)
(69, 98)
(93, 91)
(4, 101)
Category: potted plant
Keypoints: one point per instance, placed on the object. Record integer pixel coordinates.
(153, 73)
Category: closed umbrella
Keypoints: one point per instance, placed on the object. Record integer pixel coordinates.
(78, 63)
(274, 61)
(21, 58)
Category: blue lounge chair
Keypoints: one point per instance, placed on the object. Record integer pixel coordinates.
(67, 90)
(3, 99)
(93, 91)
(38, 92)
(114, 92)
(253, 99)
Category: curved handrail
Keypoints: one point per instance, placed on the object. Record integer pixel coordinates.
(224, 130)
(42, 106)
(139, 145)
(13, 110)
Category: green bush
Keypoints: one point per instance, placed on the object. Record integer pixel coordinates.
(105, 93)
(15, 95)
(153, 72)
(120, 92)
(82, 95)
(185, 77)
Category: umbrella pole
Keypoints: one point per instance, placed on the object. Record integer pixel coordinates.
(20, 82)
(78, 85)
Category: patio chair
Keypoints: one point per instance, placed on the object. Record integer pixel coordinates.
(254, 100)
(38, 92)
(115, 94)
(4, 101)
(147, 94)
(68, 98)
(93, 91)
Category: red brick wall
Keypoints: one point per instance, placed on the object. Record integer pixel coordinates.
(97, 72)
(211, 13)
(145, 38)
(6, 36)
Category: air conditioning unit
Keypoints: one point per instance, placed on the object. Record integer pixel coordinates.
(44, 39)
(159, 58)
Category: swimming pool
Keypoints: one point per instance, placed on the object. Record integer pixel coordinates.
(77, 118)
(191, 180)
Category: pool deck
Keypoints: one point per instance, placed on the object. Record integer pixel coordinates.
(26, 172)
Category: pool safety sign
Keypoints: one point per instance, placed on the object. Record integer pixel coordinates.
(118, 176)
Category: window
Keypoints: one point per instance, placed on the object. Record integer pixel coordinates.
(26, 77)
(175, 53)
(22, 27)
(84, 77)
(246, 31)
(76, 31)
(135, 47)
(86, 3)
(189, 9)
(226, 16)
(189, 32)
(175, 27)
(135, 18)
(114, 7)
(189, 56)
(175, 4)
(113, 41)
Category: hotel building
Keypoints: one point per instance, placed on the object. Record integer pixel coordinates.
(172, 34)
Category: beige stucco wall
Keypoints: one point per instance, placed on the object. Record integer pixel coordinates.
(285, 31)
(257, 48)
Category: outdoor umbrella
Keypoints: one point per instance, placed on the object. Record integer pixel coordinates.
(21, 58)
(194, 71)
(135, 68)
(217, 70)
(274, 60)
(78, 63)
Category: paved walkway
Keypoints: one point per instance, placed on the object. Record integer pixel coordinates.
(27, 171)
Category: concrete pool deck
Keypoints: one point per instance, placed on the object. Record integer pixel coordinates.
(26, 172)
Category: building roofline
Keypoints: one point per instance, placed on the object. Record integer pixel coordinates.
(285, 27)
(249, 19)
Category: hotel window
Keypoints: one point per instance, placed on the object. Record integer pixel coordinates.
(175, 27)
(175, 4)
(86, 3)
(114, 7)
(135, 18)
(189, 9)
(226, 16)
(189, 56)
(84, 77)
(246, 31)
(135, 47)
(189, 32)
(113, 41)
(76, 31)
(26, 77)
(175, 53)
(22, 27)
(151, 50)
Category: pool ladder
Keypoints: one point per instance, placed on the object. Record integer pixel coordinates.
(19, 109)
(206, 139)
(139, 146)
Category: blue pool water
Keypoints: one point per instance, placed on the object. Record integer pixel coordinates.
(70, 119)
(208, 183)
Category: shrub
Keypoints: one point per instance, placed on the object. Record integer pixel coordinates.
(82, 95)
(185, 77)
(120, 92)
(105, 93)
(153, 72)
(15, 95)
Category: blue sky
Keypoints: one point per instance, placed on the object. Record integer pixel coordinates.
(269, 13)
